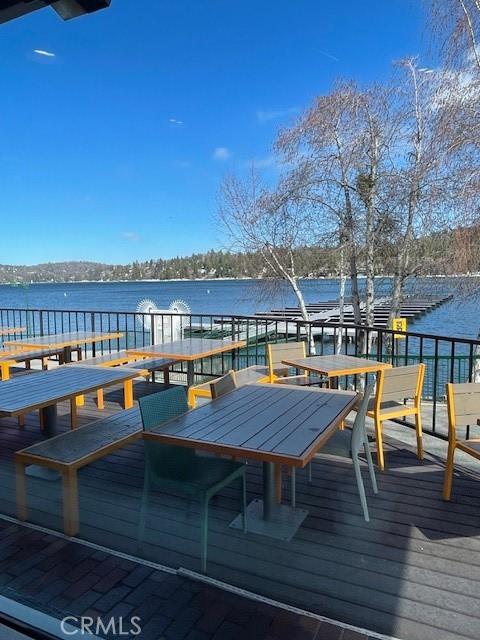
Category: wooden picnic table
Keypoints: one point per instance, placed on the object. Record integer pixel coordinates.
(188, 350)
(336, 365)
(64, 340)
(275, 424)
(45, 389)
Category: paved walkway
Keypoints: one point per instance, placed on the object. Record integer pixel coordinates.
(63, 578)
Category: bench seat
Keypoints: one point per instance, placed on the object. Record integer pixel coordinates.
(255, 373)
(111, 359)
(145, 367)
(68, 452)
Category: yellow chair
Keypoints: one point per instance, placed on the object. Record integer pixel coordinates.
(223, 385)
(394, 386)
(463, 403)
(278, 372)
(255, 373)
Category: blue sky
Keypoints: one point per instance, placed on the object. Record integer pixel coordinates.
(113, 148)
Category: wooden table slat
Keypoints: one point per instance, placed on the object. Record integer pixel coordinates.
(188, 348)
(337, 365)
(64, 339)
(210, 415)
(49, 387)
(298, 419)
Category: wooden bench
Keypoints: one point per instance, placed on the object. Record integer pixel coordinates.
(69, 452)
(10, 357)
(145, 367)
(255, 373)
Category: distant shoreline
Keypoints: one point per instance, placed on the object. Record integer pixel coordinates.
(223, 279)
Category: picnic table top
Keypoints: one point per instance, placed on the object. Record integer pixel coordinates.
(64, 339)
(272, 423)
(337, 365)
(188, 348)
(27, 393)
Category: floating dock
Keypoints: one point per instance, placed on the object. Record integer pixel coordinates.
(329, 311)
(284, 321)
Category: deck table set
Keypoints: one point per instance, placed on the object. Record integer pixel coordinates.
(272, 424)
(189, 350)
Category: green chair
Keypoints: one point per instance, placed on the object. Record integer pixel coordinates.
(349, 442)
(179, 468)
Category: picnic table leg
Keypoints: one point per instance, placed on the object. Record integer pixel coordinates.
(270, 484)
(100, 399)
(70, 502)
(278, 483)
(190, 374)
(5, 369)
(128, 394)
(166, 377)
(267, 517)
(73, 413)
(49, 420)
(67, 354)
(21, 490)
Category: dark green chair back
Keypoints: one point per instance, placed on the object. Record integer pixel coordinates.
(155, 409)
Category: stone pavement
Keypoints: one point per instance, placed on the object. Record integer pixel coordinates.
(63, 578)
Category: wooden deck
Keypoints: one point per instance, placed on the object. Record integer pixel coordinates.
(413, 572)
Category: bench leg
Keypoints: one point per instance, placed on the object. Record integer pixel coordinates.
(70, 502)
(192, 400)
(21, 421)
(21, 489)
(80, 400)
(128, 394)
(73, 413)
(100, 399)
(278, 483)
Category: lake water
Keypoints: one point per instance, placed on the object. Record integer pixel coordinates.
(458, 317)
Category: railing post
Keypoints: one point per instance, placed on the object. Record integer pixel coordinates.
(92, 324)
(152, 328)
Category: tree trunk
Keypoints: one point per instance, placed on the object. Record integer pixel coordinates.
(341, 302)
(301, 303)
(354, 282)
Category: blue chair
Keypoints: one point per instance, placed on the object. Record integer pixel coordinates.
(349, 442)
(180, 469)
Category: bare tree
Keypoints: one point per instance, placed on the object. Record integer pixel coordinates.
(423, 185)
(339, 159)
(256, 221)
(456, 28)
(321, 151)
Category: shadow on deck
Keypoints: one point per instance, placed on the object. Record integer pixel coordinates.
(413, 572)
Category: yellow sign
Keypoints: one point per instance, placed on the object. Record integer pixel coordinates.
(399, 324)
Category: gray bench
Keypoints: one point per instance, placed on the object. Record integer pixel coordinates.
(71, 451)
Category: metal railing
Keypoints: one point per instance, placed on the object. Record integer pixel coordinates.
(447, 359)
